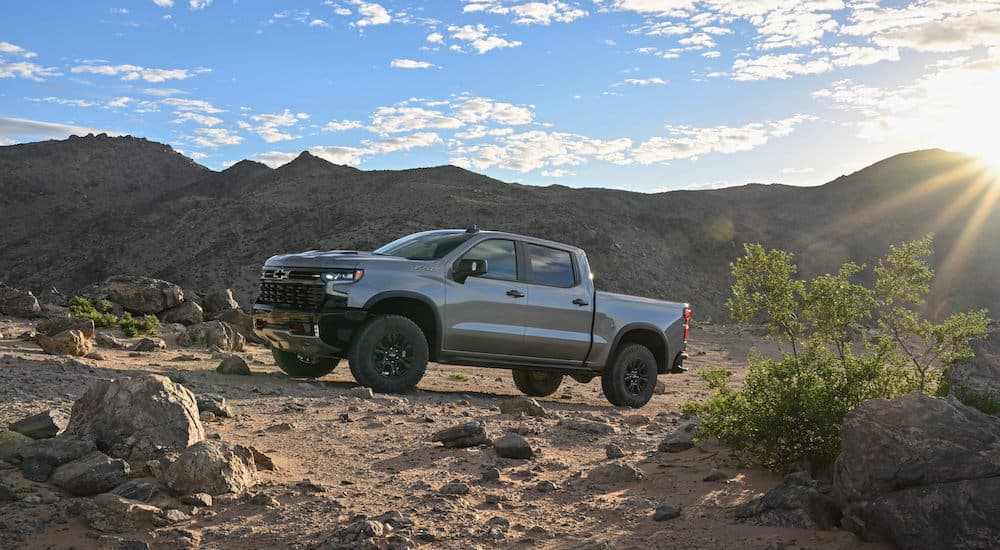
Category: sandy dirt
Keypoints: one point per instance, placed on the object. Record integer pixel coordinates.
(338, 456)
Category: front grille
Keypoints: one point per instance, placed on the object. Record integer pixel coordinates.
(291, 274)
(293, 295)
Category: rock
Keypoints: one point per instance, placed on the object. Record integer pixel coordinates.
(198, 499)
(234, 364)
(136, 489)
(522, 405)
(70, 342)
(361, 392)
(219, 300)
(43, 425)
(666, 512)
(613, 451)
(212, 467)
(11, 443)
(921, 472)
(175, 334)
(55, 325)
(185, 313)
(261, 460)
(469, 434)
(150, 344)
(264, 499)
(394, 519)
(681, 440)
(111, 411)
(241, 321)
(139, 295)
(799, 502)
(615, 472)
(546, 486)
(7, 494)
(171, 516)
(715, 475)
(113, 514)
(216, 405)
(52, 296)
(40, 457)
(660, 388)
(491, 474)
(106, 340)
(454, 488)
(91, 475)
(281, 427)
(637, 420)
(206, 416)
(587, 426)
(215, 335)
(513, 446)
(18, 303)
(980, 375)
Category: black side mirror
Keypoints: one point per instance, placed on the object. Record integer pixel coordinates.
(469, 267)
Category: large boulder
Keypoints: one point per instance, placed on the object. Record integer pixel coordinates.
(113, 411)
(215, 335)
(921, 472)
(187, 313)
(91, 475)
(212, 467)
(140, 295)
(11, 444)
(38, 459)
(113, 514)
(799, 502)
(70, 342)
(55, 325)
(18, 303)
(241, 322)
(219, 300)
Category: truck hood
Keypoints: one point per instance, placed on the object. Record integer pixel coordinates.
(329, 259)
(636, 300)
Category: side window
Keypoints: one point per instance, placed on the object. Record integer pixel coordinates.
(500, 257)
(549, 266)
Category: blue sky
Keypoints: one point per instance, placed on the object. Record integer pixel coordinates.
(646, 95)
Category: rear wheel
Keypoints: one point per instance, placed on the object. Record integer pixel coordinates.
(630, 380)
(389, 354)
(536, 383)
(304, 367)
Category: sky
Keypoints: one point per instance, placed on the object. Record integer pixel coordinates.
(644, 95)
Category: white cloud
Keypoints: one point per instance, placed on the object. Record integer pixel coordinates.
(199, 4)
(781, 66)
(341, 125)
(435, 38)
(162, 92)
(269, 128)
(645, 81)
(480, 38)
(318, 23)
(393, 120)
(948, 35)
(371, 14)
(64, 101)
(192, 105)
(135, 72)
(23, 69)
(687, 142)
(527, 13)
(402, 143)
(214, 137)
(410, 64)
(164, 3)
(119, 102)
(14, 130)
(698, 41)
(479, 131)
(711, 55)
(531, 150)
(119, 11)
(481, 109)
(557, 173)
(197, 118)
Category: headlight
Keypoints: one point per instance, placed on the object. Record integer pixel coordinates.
(344, 276)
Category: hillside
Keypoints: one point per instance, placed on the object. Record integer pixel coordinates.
(77, 210)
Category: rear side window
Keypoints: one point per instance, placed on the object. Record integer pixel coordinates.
(500, 257)
(550, 266)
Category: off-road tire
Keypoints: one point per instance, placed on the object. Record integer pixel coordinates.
(536, 383)
(631, 378)
(295, 367)
(389, 354)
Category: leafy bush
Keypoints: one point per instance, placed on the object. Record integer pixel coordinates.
(132, 326)
(988, 402)
(846, 343)
(99, 313)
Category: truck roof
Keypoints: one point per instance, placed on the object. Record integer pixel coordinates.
(526, 238)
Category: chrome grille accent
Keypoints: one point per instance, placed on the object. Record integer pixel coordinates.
(291, 287)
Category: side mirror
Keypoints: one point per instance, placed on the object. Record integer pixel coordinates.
(469, 267)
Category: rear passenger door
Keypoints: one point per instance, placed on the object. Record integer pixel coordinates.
(559, 309)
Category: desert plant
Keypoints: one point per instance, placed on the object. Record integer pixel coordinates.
(846, 343)
(100, 313)
(459, 376)
(137, 326)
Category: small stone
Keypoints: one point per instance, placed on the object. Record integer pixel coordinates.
(362, 392)
(215, 404)
(264, 499)
(660, 388)
(497, 521)
(233, 364)
(681, 440)
(522, 405)
(513, 446)
(469, 434)
(283, 427)
(493, 499)
(491, 474)
(546, 486)
(666, 512)
(43, 425)
(149, 344)
(613, 451)
(715, 475)
(615, 472)
(455, 488)
(207, 416)
(136, 489)
(91, 475)
(395, 519)
(587, 426)
(106, 340)
(70, 342)
(261, 460)
(637, 420)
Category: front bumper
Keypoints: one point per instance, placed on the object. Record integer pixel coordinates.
(325, 333)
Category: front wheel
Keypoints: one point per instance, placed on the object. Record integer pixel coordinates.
(298, 366)
(536, 383)
(389, 354)
(630, 380)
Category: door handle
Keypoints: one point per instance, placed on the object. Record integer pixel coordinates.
(581, 302)
(515, 294)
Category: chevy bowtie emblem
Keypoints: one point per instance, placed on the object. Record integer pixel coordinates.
(280, 274)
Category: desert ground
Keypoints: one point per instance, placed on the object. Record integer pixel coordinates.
(337, 456)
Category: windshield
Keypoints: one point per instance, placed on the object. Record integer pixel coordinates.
(433, 245)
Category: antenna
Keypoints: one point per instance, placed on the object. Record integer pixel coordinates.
(472, 229)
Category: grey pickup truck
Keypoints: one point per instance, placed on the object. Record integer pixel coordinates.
(466, 297)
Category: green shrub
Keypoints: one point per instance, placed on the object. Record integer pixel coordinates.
(459, 376)
(846, 343)
(987, 402)
(100, 313)
(132, 326)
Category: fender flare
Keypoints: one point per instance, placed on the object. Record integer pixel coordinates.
(642, 326)
(389, 294)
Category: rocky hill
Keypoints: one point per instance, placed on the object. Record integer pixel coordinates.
(78, 210)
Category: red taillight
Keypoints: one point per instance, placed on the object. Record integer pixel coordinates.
(687, 327)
